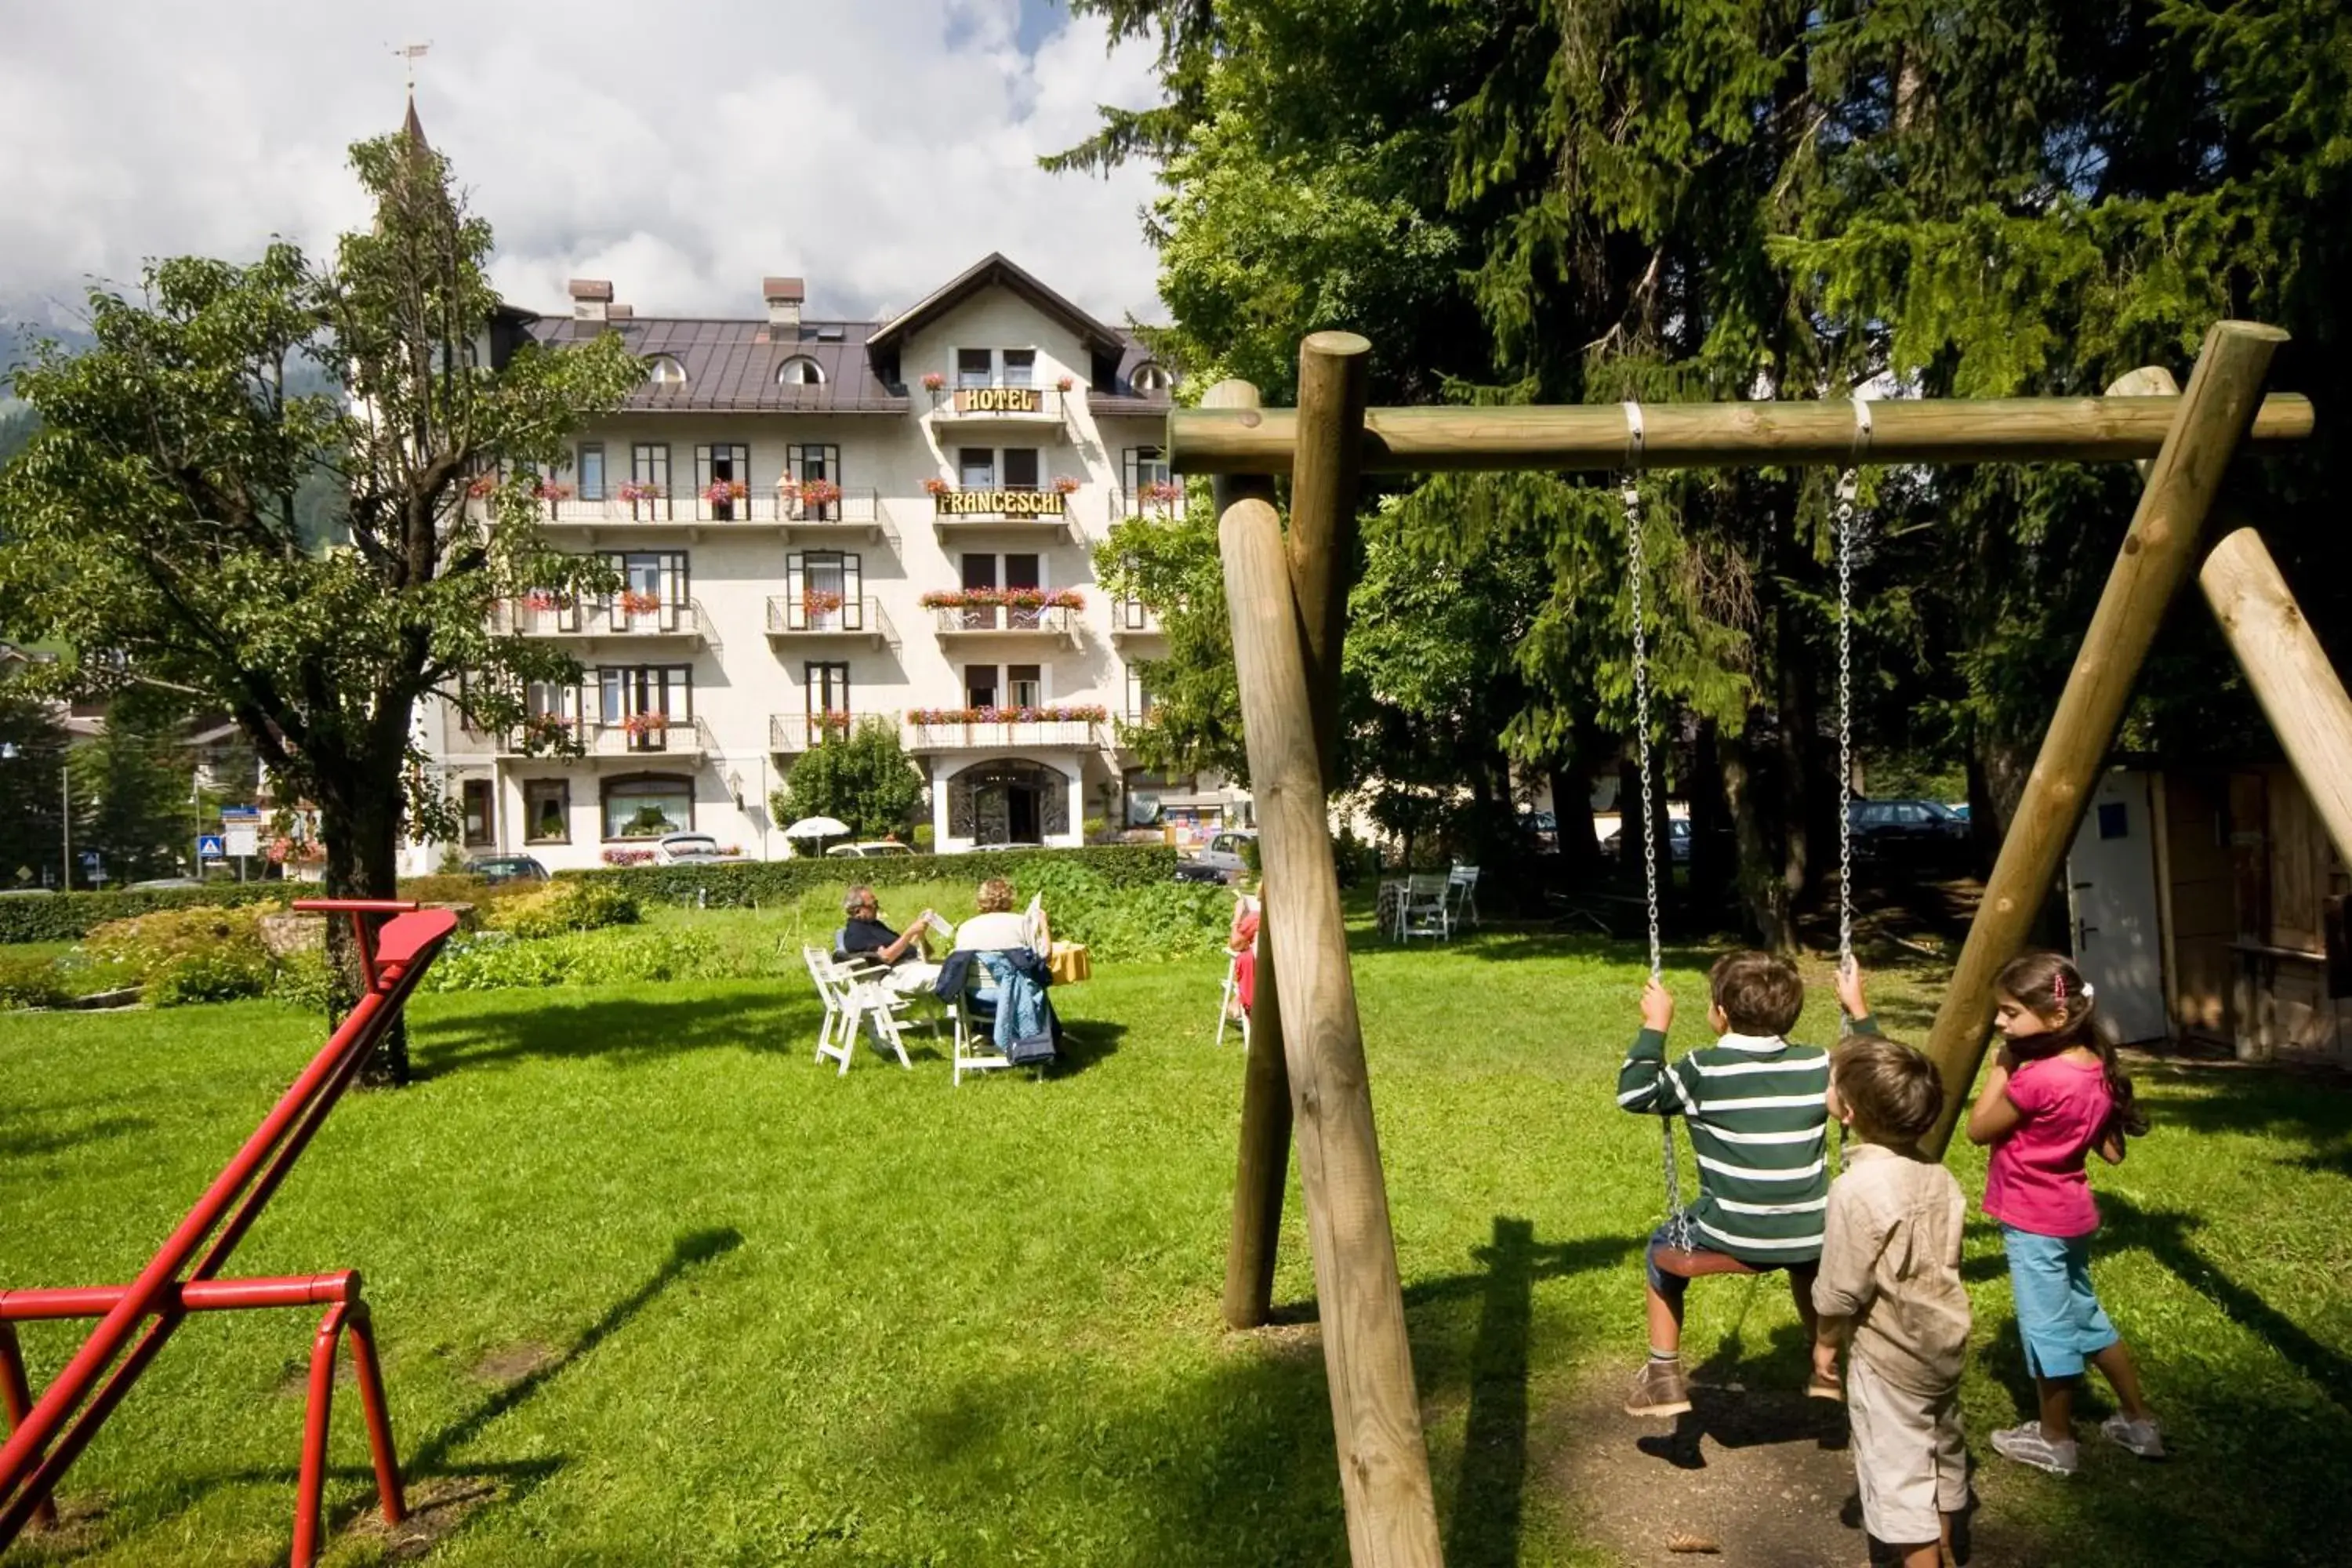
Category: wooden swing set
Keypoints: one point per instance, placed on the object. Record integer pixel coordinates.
(1287, 592)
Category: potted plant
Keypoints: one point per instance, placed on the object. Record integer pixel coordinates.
(636, 602)
(1163, 494)
(635, 492)
(819, 492)
(481, 487)
(937, 486)
(542, 731)
(1063, 384)
(817, 606)
(934, 383)
(551, 491)
(645, 725)
(1066, 485)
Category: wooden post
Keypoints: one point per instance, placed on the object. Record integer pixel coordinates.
(1376, 1410)
(1261, 1170)
(1325, 473)
(2225, 392)
(2299, 689)
(1592, 436)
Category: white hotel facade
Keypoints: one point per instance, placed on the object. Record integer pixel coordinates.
(782, 495)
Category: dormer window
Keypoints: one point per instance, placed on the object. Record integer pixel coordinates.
(1151, 376)
(663, 371)
(800, 371)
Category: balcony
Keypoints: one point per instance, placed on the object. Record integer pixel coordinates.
(1064, 729)
(999, 403)
(850, 512)
(789, 734)
(1011, 509)
(1133, 621)
(821, 617)
(540, 736)
(970, 623)
(1162, 501)
(634, 618)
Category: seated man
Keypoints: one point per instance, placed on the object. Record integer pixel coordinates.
(865, 936)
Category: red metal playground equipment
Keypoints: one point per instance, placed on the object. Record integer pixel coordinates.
(46, 1437)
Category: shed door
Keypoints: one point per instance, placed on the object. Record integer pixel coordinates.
(2110, 894)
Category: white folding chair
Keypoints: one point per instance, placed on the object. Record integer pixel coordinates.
(1424, 910)
(853, 998)
(975, 1032)
(1462, 887)
(1227, 1010)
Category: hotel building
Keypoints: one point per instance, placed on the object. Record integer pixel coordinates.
(821, 521)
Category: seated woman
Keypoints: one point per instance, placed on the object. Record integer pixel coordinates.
(867, 937)
(996, 929)
(1240, 941)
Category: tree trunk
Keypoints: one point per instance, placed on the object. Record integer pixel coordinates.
(1714, 857)
(1798, 797)
(360, 818)
(1762, 890)
(1572, 815)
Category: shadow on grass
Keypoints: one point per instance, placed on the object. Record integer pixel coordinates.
(2311, 1108)
(31, 1142)
(624, 1029)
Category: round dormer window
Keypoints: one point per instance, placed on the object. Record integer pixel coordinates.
(663, 371)
(1151, 376)
(800, 371)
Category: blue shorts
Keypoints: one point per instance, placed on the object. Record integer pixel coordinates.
(2058, 1317)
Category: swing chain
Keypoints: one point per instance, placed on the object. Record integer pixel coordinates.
(1849, 485)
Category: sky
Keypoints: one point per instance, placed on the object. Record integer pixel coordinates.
(683, 149)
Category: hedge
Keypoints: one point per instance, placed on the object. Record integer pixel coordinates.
(749, 884)
(69, 917)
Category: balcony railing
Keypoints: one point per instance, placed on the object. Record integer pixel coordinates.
(603, 619)
(789, 734)
(818, 613)
(998, 401)
(1133, 618)
(962, 620)
(1147, 500)
(977, 735)
(771, 505)
(674, 737)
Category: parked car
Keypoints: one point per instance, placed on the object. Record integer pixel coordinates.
(873, 850)
(1959, 808)
(1894, 826)
(1224, 860)
(1542, 827)
(163, 884)
(1679, 841)
(497, 869)
(688, 849)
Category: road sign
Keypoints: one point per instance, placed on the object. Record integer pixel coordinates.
(243, 841)
(210, 847)
(240, 815)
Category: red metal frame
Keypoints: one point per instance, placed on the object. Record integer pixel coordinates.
(47, 1436)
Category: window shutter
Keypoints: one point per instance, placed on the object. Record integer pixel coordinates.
(795, 592)
(673, 588)
(853, 588)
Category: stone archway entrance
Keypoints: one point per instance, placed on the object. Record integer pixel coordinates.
(1008, 801)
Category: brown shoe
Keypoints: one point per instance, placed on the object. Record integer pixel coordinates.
(1659, 1389)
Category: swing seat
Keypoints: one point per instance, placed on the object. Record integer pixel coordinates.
(1692, 1262)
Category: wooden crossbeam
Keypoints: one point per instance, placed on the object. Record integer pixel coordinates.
(1592, 436)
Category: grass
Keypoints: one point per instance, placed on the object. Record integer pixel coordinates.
(680, 1295)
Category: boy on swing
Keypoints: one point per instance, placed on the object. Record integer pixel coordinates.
(1757, 1108)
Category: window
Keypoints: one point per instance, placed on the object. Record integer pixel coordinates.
(974, 367)
(725, 464)
(547, 811)
(654, 704)
(980, 685)
(1019, 367)
(1138, 697)
(976, 467)
(2114, 819)
(474, 800)
(1021, 468)
(649, 471)
(549, 700)
(653, 590)
(663, 371)
(646, 805)
(1149, 377)
(814, 461)
(826, 687)
(592, 472)
(1141, 468)
(1027, 685)
(823, 591)
(800, 371)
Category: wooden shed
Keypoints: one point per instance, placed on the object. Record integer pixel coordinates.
(2208, 904)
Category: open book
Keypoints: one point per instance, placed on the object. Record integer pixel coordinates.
(945, 928)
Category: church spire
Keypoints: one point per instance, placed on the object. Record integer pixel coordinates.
(412, 130)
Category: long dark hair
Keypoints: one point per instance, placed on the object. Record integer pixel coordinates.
(2053, 989)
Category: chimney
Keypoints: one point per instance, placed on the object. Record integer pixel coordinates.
(784, 295)
(620, 313)
(590, 298)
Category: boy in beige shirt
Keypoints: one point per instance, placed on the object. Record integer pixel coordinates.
(1890, 1287)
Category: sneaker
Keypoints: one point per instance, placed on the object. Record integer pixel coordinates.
(2141, 1436)
(1659, 1389)
(2027, 1446)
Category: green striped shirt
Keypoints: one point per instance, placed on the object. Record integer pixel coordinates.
(1758, 1111)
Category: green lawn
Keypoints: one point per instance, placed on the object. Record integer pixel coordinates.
(683, 1296)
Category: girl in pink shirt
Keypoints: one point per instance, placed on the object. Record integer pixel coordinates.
(2055, 1093)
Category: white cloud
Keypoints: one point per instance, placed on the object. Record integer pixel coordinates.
(876, 147)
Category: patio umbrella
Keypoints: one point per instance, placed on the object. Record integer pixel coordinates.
(818, 827)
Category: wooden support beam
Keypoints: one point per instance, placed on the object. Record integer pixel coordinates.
(2207, 423)
(1325, 474)
(1261, 1170)
(1592, 436)
(2298, 687)
(1376, 1410)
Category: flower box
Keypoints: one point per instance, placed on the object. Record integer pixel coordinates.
(634, 602)
(819, 492)
(1003, 598)
(1066, 485)
(1063, 383)
(933, 382)
(719, 492)
(935, 487)
(641, 725)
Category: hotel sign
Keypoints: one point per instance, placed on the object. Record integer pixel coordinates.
(1000, 400)
(1001, 504)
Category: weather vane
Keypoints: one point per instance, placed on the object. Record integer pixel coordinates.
(410, 54)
